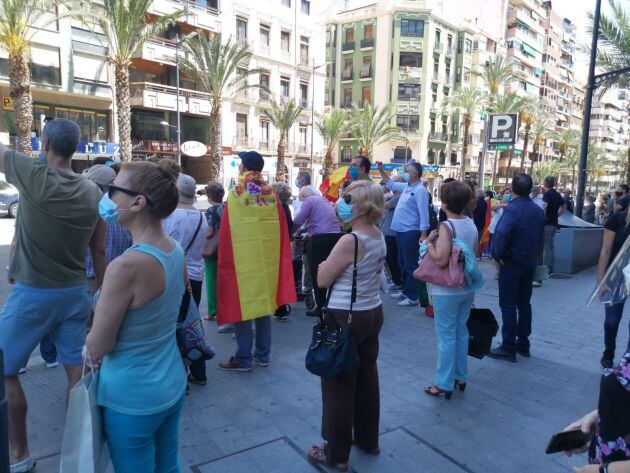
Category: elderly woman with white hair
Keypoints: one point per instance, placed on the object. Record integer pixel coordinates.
(318, 215)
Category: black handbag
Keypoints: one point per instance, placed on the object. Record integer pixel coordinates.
(333, 351)
(482, 328)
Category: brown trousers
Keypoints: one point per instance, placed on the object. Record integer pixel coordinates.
(353, 401)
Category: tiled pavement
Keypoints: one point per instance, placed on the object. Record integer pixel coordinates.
(265, 420)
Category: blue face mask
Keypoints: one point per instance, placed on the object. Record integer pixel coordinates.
(406, 177)
(41, 158)
(354, 173)
(108, 210)
(508, 197)
(344, 211)
(298, 183)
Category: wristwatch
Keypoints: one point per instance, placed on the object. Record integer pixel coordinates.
(603, 468)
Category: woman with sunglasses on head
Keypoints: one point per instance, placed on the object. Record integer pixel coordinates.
(353, 400)
(142, 379)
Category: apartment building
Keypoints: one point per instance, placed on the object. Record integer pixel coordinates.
(610, 132)
(70, 79)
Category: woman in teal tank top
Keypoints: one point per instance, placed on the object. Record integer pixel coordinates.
(142, 381)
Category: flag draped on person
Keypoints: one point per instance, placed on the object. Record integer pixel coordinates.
(485, 234)
(330, 187)
(255, 270)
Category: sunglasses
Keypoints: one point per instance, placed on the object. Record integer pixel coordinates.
(111, 189)
(347, 198)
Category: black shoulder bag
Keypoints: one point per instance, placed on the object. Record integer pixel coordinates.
(332, 351)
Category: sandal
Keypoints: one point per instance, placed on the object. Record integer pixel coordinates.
(437, 392)
(317, 455)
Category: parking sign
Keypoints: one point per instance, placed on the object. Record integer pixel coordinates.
(502, 132)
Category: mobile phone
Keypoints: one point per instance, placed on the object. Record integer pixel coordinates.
(567, 441)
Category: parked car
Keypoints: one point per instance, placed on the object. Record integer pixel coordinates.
(9, 199)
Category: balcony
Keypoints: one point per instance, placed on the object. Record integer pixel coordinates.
(304, 103)
(407, 73)
(157, 96)
(304, 61)
(158, 50)
(88, 87)
(366, 73)
(347, 75)
(346, 105)
(517, 13)
(199, 16)
(264, 96)
(367, 43)
(247, 94)
(243, 142)
(347, 46)
(442, 137)
(266, 145)
(284, 99)
(438, 48)
(303, 149)
(436, 76)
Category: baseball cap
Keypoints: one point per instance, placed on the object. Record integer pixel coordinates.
(100, 174)
(252, 160)
(187, 187)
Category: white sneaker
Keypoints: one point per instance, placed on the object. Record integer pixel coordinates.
(22, 370)
(54, 364)
(397, 295)
(25, 466)
(406, 302)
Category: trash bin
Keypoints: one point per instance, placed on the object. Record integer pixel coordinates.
(577, 244)
(4, 436)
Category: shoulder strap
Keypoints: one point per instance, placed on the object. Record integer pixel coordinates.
(353, 296)
(450, 227)
(192, 240)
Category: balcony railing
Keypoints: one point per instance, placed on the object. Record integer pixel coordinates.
(266, 145)
(346, 76)
(438, 47)
(436, 76)
(242, 142)
(304, 61)
(366, 73)
(438, 137)
(284, 99)
(304, 103)
(367, 43)
(264, 96)
(164, 97)
(346, 105)
(348, 46)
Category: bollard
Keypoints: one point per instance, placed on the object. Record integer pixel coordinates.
(4, 436)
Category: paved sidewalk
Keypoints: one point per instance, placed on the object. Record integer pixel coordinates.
(264, 421)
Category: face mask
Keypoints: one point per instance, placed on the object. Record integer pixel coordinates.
(354, 173)
(406, 177)
(344, 211)
(298, 183)
(108, 210)
(41, 158)
(508, 197)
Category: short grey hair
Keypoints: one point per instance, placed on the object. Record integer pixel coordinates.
(480, 194)
(62, 136)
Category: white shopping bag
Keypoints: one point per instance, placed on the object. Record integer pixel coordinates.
(83, 449)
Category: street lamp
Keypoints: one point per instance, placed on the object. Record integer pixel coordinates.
(178, 42)
(313, 109)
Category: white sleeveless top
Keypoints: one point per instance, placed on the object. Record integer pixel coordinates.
(466, 232)
(369, 269)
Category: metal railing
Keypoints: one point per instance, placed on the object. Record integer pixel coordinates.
(438, 137)
(347, 76)
(365, 73)
(367, 43)
(348, 46)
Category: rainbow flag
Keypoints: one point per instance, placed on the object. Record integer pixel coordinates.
(330, 187)
(255, 269)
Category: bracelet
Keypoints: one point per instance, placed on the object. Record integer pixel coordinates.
(603, 468)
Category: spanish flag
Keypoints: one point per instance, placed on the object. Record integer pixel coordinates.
(330, 187)
(485, 234)
(255, 269)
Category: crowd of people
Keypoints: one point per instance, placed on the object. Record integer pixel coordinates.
(125, 246)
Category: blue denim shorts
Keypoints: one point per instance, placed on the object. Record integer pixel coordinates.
(31, 312)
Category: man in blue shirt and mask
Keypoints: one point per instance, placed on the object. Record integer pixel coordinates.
(515, 245)
(411, 224)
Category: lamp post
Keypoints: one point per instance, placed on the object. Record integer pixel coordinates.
(167, 124)
(313, 110)
(178, 42)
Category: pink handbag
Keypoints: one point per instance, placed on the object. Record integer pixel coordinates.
(451, 275)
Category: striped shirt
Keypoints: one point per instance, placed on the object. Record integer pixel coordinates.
(369, 269)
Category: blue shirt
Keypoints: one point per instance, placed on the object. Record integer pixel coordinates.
(412, 211)
(519, 232)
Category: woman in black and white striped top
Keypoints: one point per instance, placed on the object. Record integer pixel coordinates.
(342, 410)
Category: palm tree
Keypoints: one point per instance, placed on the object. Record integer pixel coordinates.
(506, 103)
(541, 131)
(496, 74)
(533, 111)
(468, 101)
(549, 169)
(371, 126)
(220, 70)
(283, 119)
(331, 127)
(566, 140)
(126, 26)
(613, 51)
(16, 19)
(570, 164)
(598, 164)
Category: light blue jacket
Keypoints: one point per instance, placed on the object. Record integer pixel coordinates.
(472, 274)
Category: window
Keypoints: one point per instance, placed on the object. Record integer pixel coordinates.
(347, 70)
(350, 35)
(285, 86)
(368, 31)
(466, 75)
(89, 67)
(366, 67)
(303, 51)
(286, 3)
(264, 131)
(264, 35)
(409, 91)
(438, 35)
(241, 125)
(366, 95)
(468, 46)
(449, 43)
(241, 28)
(303, 137)
(303, 94)
(347, 97)
(412, 27)
(346, 154)
(410, 60)
(285, 41)
(305, 7)
(408, 122)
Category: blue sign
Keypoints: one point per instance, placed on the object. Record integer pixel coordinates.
(399, 167)
(85, 146)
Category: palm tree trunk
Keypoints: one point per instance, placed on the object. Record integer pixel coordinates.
(20, 92)
(281, 175)
(123, 110)
(495, 169)
(535, 156)
(215, 142)
(573, 177)
(464, 148)
(524, 152)
(329, 165)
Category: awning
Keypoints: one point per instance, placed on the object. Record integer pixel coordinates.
(561, 117)
(529, 49)
(436, 145)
